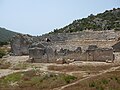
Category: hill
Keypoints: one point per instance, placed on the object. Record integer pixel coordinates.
(6, 35)
(108, 20)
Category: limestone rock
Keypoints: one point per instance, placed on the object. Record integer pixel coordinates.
(20, 44)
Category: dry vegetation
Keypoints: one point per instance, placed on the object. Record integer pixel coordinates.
(70, 68)
(4, 64)
(107, 81)
(34, 80)
(4, 50)
(20, 66)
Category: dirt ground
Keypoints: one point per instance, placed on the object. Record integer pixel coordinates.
(82, 70)
(15, 60)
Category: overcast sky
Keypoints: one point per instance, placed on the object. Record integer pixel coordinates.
(37, 17)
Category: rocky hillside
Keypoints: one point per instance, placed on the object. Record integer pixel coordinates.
(6, 35)
(108, 20)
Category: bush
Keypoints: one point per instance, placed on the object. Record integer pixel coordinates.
(104, 81)
(2, 53)
(92, 84)
(69, 78)
(3, 43)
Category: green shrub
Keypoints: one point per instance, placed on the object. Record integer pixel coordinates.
(2, 53)
(3, 43)
(92, 84)
(69, 78)
(104, 81)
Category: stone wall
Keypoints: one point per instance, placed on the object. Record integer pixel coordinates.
(47, 54)
(100, 54)
(116, 47)
(41, 55)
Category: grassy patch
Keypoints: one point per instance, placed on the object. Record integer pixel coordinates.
(35, 80)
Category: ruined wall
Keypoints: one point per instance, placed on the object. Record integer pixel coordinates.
(66, 53)
(45, 55)
(100, 54)
(103, 54)
(116, 47)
